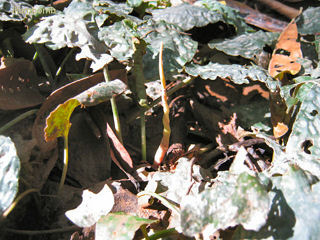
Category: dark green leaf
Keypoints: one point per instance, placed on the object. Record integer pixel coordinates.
(9, 172)
(237, 73)
(230, 15)
(239, 199)
(304, 199)
(187, 16)
(306, 128)
(247, 45)
(119, 226)
(308, 21)
(75, 27)
(178, 48)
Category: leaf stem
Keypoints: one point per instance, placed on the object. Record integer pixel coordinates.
(15, 202)
(63, 63)
(114, 107)
(143, 137)
(65, 163)
(163, 233)
(17, 119)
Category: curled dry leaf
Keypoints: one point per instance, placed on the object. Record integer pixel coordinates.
(286, 53)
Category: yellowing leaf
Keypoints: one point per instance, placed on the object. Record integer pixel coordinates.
(57, 124)
(286, 53)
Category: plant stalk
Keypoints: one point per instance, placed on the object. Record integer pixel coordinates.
(114, 107)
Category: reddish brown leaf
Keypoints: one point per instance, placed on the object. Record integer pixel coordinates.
(119, 147)
(19, 85)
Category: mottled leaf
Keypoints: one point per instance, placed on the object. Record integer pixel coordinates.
(197, 16)
(101, 92)
(240, 199)
(9, 10)
(74, 27)
(247, 45)
(110, 11)
(175, 186)
(287, 52)
(230, 15)
(306, 128)
(119, 226)
(118, 38)
(178, 48)
(308, 21)
(92, 207)
(237, 73)
(9, 172)
(304, 199)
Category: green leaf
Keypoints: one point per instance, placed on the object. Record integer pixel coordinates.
(178, 48)
(134, 3)
(308, 21)
(230, 15)
(239, 199)
(280, 223)
(74, 27)
(119, 226)
(118, 38)
(9, 172)
(109, 10)
(175, 186)
(92, 207)
(237, 73)
(304, 199)
(196, 16)
(306, 128)
(9, 10)
(247, 45)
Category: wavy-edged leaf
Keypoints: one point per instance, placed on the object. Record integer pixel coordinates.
(247, 45)
(74, 27)
(120, 226)
(92, 207)
(304, 199)
(237, 73)
(230, 15)
(118, 38)
(9, 172)
(9, 10)
(306, 128)
(197, 16)
(240, 199)
(111, 11)
(308, 21)
(178, 48)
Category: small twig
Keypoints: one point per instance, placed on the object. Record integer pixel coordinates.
(281, 8)
(42, 232)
